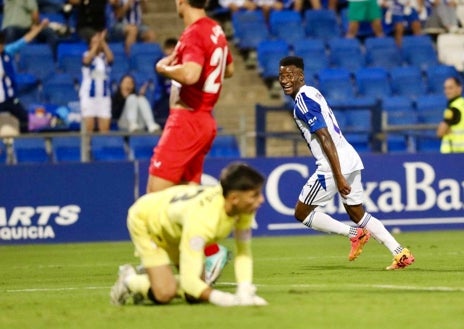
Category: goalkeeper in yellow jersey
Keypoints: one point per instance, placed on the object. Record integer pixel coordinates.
(170, 229)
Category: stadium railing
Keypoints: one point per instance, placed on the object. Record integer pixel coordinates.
(50, 138)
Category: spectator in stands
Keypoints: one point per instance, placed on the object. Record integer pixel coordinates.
(302, 5)
(403, 15)
(94, 93)
(364, 11)
(443, 17)
(130, 108)
(451, 129)
(18, 18)
(163, 87)
(129, 26)
(235, 5)
(8, 96)
(268, 5)
(91, 17)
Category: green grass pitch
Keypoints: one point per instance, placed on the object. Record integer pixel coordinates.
(307, 280)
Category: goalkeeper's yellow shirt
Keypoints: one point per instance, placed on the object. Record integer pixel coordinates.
(174, 225)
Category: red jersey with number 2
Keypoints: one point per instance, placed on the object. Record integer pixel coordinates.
(203, 42)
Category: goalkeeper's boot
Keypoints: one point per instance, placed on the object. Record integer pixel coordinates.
(215, 263)
(358, 242)
(403, 259)
(120, 293)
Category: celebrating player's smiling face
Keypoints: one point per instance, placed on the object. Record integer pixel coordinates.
(291, 79)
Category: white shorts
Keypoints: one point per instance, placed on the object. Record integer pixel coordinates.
(321, 188)
(261, 3)
(227, 3)
(98, 107)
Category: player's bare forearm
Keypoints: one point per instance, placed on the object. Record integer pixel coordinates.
(186, 74)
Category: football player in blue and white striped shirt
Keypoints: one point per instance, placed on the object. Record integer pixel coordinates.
(338, 169)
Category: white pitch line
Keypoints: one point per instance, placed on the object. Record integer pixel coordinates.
(55, 289)
(374, 286)
(316, 286)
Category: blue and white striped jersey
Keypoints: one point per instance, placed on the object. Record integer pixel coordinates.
(311, 112)
(134, 15)
(7, 69)
(96, 78)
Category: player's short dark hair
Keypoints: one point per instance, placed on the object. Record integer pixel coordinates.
(292, 60)
(239, 176)
(201, 4)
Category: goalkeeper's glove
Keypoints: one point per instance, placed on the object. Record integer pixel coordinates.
(221, 298)
(245, 296)
(246, 293)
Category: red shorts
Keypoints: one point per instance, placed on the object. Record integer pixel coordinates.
(187, 138)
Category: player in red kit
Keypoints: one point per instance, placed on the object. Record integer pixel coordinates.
(197, 67)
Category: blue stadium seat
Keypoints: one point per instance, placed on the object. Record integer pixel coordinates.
(254, 35)
(436, 76)
(286, 25)
(69, 58)
(143, 56)
(373, 81)
(428, 143)
(141, 147)
(382, 52)
(346, 53)
(250, 28)
(321, 24)
(60, 89)
(108, 148)
(36, 59)
(30, 150)
(336, 85)
(397, 143)
(419, 50)
(269, 53)
(26, 82)
(225, 146)
(32, 96)
(121, 63)
(407, 81)
(430, 108)
(66, 149)
(314, 55)
(399, 110)
(360, 141)
(358, 121)
(341, 118)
